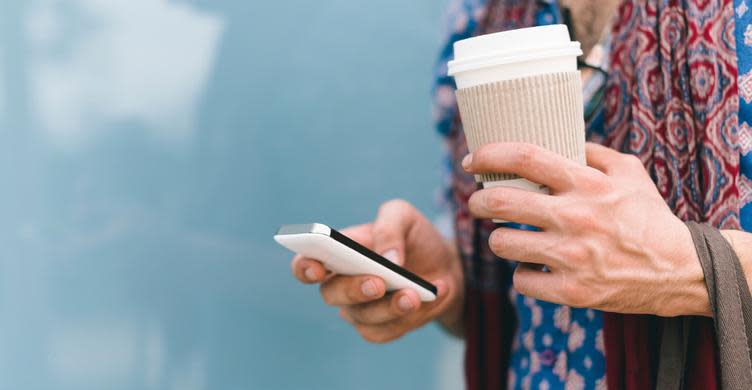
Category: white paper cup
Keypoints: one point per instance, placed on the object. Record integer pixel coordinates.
(513, 54)
(521, 86)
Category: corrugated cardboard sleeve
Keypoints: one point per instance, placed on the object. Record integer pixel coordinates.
(545, 110)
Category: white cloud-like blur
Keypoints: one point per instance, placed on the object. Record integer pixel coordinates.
(113, 351)
(97, 63)
(93, 352)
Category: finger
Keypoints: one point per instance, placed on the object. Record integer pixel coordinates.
(534, 283)
(343, 313)
(307, 270)
(352, 290)
(610, 161)
(525, 160)
(524, 246)
(514, 205)
(360, 234)
(389, 308)
(390, 229)
(311, 271)
(388, 331)
(599, 156)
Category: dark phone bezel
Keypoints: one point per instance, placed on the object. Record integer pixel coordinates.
(346, 241)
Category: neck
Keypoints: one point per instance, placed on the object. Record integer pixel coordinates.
(590, 18)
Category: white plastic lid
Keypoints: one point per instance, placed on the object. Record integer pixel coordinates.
(507, 47)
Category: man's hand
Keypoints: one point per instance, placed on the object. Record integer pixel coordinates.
(401, 234)
(608, 240)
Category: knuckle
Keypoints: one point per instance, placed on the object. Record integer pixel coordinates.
(326, 294)
(357, 314)
(495, 203)
(578, 216)
(382, 232)
(366, 334)
(605, 186)
(632, 161)
(484, 157)
(399, 205)
(380, 336)
(594, 179)
(524, 155)
(576, 296)
(353, 294)
(573, 253)
(480, 155)
(570, 294)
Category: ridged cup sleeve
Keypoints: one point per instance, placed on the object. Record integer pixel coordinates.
(546, 110)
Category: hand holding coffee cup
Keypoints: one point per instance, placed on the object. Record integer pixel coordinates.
(521, 86)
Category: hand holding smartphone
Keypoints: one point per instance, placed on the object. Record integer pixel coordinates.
(344, 256)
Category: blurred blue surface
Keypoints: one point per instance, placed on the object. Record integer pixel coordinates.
(149, 149)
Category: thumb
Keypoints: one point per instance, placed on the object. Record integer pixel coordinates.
(600, 157)
(390, 229)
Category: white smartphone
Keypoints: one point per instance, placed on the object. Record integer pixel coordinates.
(344, 256)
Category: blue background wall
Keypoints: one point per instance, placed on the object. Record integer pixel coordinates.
(149, 150)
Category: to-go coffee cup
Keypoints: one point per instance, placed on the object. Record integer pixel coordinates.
(521, 86)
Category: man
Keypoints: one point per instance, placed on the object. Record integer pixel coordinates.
(612, 257)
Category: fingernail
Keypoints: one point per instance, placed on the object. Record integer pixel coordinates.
(405, 303)
(467, 161)
(392, 255)
(310, 274)
(369, 288)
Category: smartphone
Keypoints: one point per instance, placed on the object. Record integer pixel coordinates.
(344, 256)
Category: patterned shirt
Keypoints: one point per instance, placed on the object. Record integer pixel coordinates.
(555, 346)
(744, 61)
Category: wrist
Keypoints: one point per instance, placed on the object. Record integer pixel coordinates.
(452, 317)
(687, 291)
